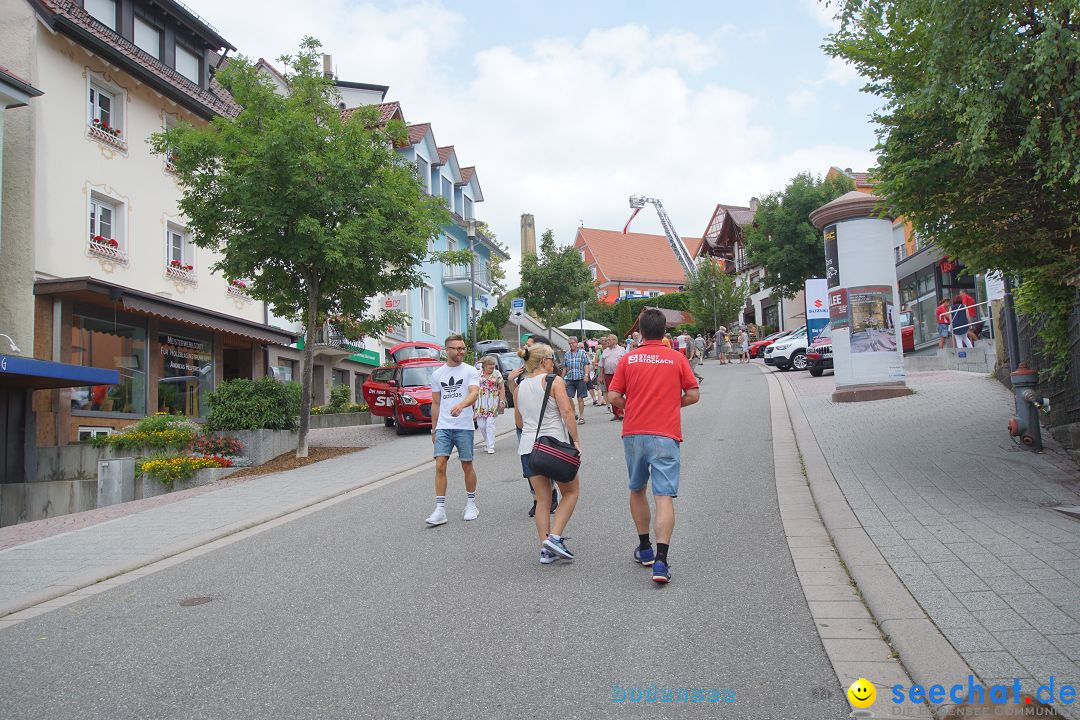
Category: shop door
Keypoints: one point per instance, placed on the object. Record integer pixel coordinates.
(12, 434)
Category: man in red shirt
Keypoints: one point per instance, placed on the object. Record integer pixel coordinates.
(653, 383)
(974, 327)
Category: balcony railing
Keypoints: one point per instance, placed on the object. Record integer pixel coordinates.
(105, 248)
(460, 273)
(330, 336)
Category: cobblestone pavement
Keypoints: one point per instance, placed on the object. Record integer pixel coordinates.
(64, 552)
(963, 516)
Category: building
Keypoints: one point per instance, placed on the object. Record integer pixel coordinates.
(631, 264)
(112, 279)
(724, 238)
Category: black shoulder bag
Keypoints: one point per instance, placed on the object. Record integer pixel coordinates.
(552, 457)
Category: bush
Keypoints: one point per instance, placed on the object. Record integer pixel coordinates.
(254, 405)
(154, 431)
(339, 399)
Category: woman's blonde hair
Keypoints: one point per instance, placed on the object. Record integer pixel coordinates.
(535, 355)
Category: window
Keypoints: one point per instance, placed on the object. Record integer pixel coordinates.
(341, 377)
(448, 193)
(285, 370)
(186, 375)
(592, 268)
(423, 172)
(187, 64)
(102, 219)
(468, 209)
(147, 37)
(655, 293)
(104, 11)
(104, 109)
(455, 315)
(87, 432)
(358, 386)
(627, 292)
(179, 252)
(111, 345)
(427, 310)
(582, 253)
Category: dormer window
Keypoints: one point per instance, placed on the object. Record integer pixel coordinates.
(104, 11)
(187, 64)
(147, 37)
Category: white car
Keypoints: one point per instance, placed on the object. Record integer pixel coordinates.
(788, 352)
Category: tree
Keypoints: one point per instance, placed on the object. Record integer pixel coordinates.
(555, 278)
(782, 238)
(625, 318)
(496, 271)
(715, 298)
(317, 214)
(979, 136)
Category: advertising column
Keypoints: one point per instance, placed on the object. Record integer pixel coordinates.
(862, 298)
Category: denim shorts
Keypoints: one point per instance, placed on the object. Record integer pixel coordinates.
(576, 388)
(943, 330)
(655, 453)
(447, 440)
(526, 470)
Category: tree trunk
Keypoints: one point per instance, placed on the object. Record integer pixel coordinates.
(308, 369)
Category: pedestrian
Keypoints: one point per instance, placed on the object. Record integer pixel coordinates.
(960, 323)
(514, 378)
(577, 367)
(974, 326)
(597, 377)
(722, 345)
(697, 355)
(454, 388)
(944, 321)
(610, 362)
(744, 345)
(490, 401)
(553, 418)
(667, 341)
(653, 384)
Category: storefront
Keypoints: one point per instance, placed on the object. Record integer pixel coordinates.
(334, 366)
(168, 356)
(925, 279)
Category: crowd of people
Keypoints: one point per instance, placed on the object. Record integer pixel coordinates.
(645, 383)
(958, 318)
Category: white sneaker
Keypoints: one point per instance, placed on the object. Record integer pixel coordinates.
(471, 511)
(438, 517)
(491, 451)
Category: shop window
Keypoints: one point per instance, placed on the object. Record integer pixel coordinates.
(285, 370)
(358, 386)
(185, 375)
(341, 378)
(113, 346)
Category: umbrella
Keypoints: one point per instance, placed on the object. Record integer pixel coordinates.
(586, 325)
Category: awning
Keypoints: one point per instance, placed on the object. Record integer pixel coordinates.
(21, 372)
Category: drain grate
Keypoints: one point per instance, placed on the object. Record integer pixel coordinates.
(193, 601)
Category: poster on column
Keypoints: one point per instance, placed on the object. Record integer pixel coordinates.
(871, 313)
(832, 258)
(838, 308)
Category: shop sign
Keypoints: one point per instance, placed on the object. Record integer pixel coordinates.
(838, 308)
(184, 356)
(400, 303)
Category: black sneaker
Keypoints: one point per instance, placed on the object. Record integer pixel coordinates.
(532, 510)
(554, 502)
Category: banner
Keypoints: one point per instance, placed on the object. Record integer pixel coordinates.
(817, 307)
(832, 260)
(838, 308)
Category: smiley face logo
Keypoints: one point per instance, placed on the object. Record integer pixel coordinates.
(862, 693)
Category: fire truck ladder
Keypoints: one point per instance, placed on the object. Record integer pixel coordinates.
(677, 245)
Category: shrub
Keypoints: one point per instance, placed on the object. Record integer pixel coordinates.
(169, 469)
(339, 399)
(254, 405)
(216, 445)
(154, 431)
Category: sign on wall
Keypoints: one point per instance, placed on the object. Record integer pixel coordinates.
(832, 258)
(399, 302)
(838, 308)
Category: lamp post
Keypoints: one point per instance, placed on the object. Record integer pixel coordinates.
(472, 281)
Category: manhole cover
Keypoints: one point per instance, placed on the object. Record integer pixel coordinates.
(192, 601)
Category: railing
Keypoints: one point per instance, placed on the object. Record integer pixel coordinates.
(330, 336)
(461, 273)
(107, 251)
(900, 251)
(1063, 390)
(743, 264)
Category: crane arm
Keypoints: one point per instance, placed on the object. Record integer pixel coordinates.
(682, 254)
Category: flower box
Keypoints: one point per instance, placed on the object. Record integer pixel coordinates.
(107, 248)
(108, 135)
(183, 273)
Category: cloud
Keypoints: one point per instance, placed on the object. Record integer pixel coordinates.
(824, 11)
(800, 100)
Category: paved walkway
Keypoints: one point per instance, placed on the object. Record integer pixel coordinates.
(102, 545)
(963, 516)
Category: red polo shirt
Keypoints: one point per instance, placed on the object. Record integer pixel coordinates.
(969, 304)
(653, 378)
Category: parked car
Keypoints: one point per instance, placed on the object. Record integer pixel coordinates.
(507, 362)
(401, 393)
(819, 357)
(492, 347)
(757, 348)
(907, 331)
(788, 352)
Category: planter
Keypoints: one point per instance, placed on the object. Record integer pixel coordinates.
(181, 274)
(108, 138)
(108, 252)
(333, 420)
(147, 486)
(263, 445)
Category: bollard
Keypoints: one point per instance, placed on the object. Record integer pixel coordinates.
(1025, 424)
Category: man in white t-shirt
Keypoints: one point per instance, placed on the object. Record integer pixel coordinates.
(454, 388)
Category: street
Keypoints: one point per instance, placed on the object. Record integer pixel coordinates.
(359, 610)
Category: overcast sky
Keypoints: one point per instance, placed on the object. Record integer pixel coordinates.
(567, 108)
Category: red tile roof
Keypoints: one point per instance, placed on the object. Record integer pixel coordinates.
(635, 257)
(444, 154)
(861, 179)
(467, 174)
(387, 112)
(417, 132)
(215, 98)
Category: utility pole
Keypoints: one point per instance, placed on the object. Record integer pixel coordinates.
(472, 282)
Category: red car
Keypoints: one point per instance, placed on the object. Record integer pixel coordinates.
(401, 393)
(758, 346)
(907, 331)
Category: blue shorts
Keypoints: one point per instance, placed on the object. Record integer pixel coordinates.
(447, 440)
(526, 470)
(656, 453)
(943, 330)
(576, 388)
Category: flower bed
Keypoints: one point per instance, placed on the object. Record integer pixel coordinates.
(169, 469)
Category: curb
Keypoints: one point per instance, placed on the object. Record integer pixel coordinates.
(80, 582)
(927, 655)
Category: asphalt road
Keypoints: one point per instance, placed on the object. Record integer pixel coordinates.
(360, 611)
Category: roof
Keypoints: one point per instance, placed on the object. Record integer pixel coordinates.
(743, 216)
(444, 154)
(387, 112)
(417, 132)
(861, 179)
(672, 318)
(70, 17)
(635, 257)
(467, 174)
(13, 79)
(363, 86)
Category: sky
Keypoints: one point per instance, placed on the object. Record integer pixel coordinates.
(567, 108)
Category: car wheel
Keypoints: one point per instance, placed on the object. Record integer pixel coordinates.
(401, 429)
(798, 361)
(388, 421)
(817, 372)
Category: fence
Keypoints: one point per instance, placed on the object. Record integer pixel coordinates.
(1064, 390)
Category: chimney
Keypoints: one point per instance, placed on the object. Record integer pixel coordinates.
(528, 235)
(847, 170)
(753, 204)
(328, 66)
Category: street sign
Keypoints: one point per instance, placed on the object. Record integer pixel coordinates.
(517, 307)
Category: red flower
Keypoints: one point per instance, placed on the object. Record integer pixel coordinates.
(175, 263)
(97, 121)
(189, 267)
(98, 239)
(113, 243)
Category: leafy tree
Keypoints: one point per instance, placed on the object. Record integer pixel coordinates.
(715, 298)
(318, 214)
(496, 271)
(555, 278)
(625, 319)
(979, 136)
(782, 238)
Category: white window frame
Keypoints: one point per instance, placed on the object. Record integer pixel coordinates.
(187, 248)
(454, 315)
(198, 64)
(655, 293)
(427, 309)
(468, 208)
(98, 203)
(592, 268)
(93, 431)
(627, 292)
(144, 27)
(95, 92)
(423, 173)
(98, 9)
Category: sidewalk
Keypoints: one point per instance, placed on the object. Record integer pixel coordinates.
(963, 517)
(43, 569)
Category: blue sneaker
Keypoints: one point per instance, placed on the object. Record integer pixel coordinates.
(547, 557)
(660, 572)
(558, 547)
(645, 557)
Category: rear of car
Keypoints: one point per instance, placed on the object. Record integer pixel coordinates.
(508, 362)
(819, 357)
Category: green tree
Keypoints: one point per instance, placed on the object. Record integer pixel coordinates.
(782, 238)
(625, 318)
(979, 135)
(496, 271)
(555, 279)
(715, 298)
(316, 213)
